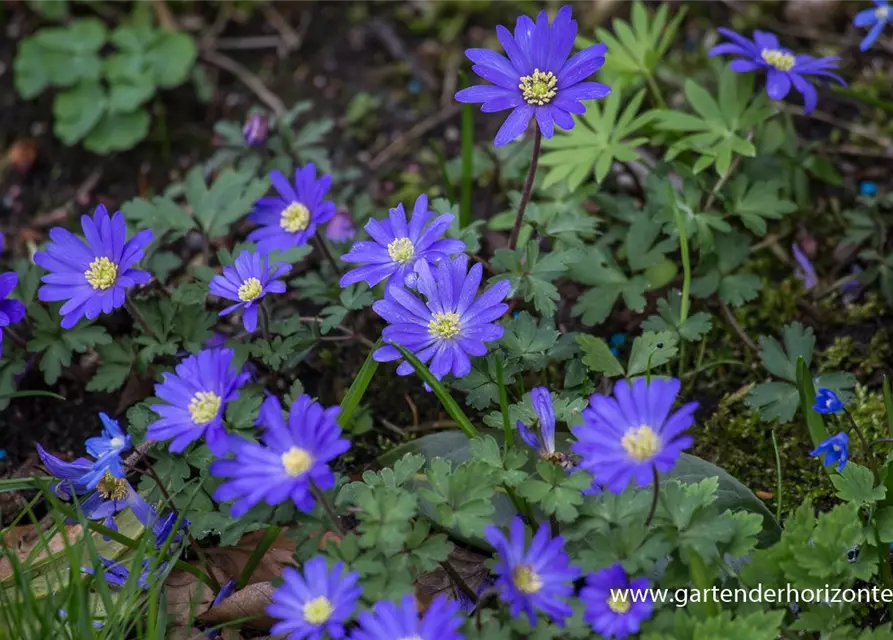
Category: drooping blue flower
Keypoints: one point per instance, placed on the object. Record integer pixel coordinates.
(340, 228)
(868, 188)
(784, 68)
(93, 276)
(544, 443)
(396, 245)
(826, 401)
(804, 272)
(876, 18)
(611, 609)
(391, 621)
(110, 495)
(316, 601)
(287, 460)
(539, 578)
(247, 281)
(852, 289)
(452, 324)
(163, 529)
(197, 393)
(107, 449)
(255, 129)
(835, 449)
(290, 219)
(537, 79)
(116, 574)
(11, 311)
(624, 437)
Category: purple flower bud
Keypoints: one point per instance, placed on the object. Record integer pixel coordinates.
(255, 129)
(340, 228)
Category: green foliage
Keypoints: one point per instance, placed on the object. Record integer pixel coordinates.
(57, 345)
(649, 351)
(104, 99)
(532, 275)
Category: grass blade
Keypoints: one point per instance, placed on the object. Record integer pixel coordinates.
(449, 404)
(467, 160)
(358, 389)
(813, 419)
(888, 405)
(504, 404)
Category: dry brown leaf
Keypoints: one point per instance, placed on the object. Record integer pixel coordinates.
(468, 564)
(232, 560)
(250, 602)
(187, 596)
(31, 547)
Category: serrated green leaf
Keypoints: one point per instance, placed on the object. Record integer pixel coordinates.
(650, 350)
(528, 341)
(597, 356)
(856, 484)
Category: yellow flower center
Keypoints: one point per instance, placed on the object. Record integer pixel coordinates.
(526, 579)
(881, 13)
(250, 290)
(204, 407)
(641, 443)
(295, 217)
(318, 610)
(619, 601)
(401, 250)
(112, 488)
(778, 59)
(444, 325)
(117, 442)
(102, 273)
(296, 461)
(539, 88)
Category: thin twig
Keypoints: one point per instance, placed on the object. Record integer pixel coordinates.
(458, 581)
(346, 331)
(290, 38)
(137, 315)
(324, 503)
(248, 78)
(855, 129)
(321, 242)
(404, 141)
(730, 318)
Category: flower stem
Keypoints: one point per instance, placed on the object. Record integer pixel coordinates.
(264, 322)
(654, 497)
(137, 315)
(504, 405)
(778, 473)
(866, 451)
(324, 248)
(257, 555)
(528, 189)
(330, 512)
(656, 92)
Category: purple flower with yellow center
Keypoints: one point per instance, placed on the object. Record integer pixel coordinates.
(340, 228)
(835, 449)
(392, 621)
(538, 578)
(290, 219)
(452, 324)
(247, 281)
(537, 79)
(314, 602)
(628, 436)
(611, 608)
(877, 19)
(92, 276)
(11, 311)
(197, 394)
(110, 495)
(783, 67)
(288, 462)
(397, 246)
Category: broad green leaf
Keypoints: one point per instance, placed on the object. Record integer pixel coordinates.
(597, 356)
(171, 58)
(856, 484)
(118, 131)
(650, 350)
(77, 110)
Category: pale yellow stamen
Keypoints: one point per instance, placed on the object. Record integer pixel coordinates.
(296, 461)
(318, 610)
(401, 250)
(102, 273)
(619, 601)
(539, 88)
(526, 579)
(112, 488)
(250, 290)
(881, 13)
(204, 407)
(641, 443)
(778, 59)
(295, 217)
(444, 325)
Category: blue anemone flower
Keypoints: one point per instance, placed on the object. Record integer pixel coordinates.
(537, 79)
(452, 324)
(290, 219)
(826, 401)
(117, 575)
(290, 459)
(804, 271)
(835, 449)
(538, 578)
(11, 311)
(315, 601)
(783, 67)
(107, 449)
(610, 610)
(868, 188)
(389, 620)
(93, 276)
(247, 281)
(876, 18)
(396, 245)
(543, 444)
